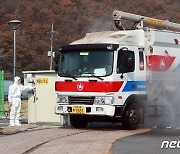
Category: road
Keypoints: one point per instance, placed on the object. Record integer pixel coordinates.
(96, 139)
(148, 143)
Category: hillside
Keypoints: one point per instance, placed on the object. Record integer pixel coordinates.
(72, 19)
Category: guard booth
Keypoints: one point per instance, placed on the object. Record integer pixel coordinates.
(41, 102)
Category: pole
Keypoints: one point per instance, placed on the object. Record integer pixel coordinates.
(14, 61)
(2, 93)
(15, 24)
(52, 31)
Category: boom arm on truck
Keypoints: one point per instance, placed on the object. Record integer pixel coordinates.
(119, 15)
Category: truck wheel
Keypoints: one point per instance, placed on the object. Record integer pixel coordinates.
(131, 119)
(78, 121)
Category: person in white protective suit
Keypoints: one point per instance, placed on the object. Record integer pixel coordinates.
(14, 99)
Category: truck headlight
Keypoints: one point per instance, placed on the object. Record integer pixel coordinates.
(62, 99)
(103, 100)
(108, 100)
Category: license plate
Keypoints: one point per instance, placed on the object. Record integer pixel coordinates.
(78, 109)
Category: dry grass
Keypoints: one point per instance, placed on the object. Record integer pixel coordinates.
(24, 107)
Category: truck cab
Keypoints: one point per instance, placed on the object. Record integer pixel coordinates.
(101, 81)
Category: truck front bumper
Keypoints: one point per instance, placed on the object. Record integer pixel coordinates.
(100, 110)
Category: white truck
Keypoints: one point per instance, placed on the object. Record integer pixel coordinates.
(105, 75)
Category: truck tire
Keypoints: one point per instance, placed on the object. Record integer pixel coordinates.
(131, 118)
(78, 121)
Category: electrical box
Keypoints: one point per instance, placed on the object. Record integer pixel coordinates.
(41, 102)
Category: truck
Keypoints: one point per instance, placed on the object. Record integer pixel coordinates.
(107, 76)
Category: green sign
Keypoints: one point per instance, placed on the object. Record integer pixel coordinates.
(1, 93)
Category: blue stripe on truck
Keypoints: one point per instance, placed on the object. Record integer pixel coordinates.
(135, 86)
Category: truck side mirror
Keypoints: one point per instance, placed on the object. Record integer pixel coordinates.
(122, 60)
(56, 60)
(56, 68)
(126, 61)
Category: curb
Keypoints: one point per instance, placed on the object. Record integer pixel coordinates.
(26, 127)
(12, 130)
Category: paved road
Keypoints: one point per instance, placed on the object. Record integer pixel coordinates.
(99, 136)
(59, 140)
(147, 143)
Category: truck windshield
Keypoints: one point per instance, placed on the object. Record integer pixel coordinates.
(85, 63)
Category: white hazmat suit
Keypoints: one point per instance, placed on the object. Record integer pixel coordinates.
(14, 98)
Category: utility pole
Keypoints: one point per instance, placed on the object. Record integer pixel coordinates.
(51, 57)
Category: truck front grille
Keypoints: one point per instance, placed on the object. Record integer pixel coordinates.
(87, 100)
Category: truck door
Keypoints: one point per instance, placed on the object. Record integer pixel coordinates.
(131, 67)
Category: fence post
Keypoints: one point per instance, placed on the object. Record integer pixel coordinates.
(2, 93)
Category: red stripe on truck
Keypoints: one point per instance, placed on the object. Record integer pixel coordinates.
(85, 86)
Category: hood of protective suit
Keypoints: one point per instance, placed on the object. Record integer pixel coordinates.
(16, 79)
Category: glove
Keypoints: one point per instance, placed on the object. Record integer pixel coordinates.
(10, 104)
